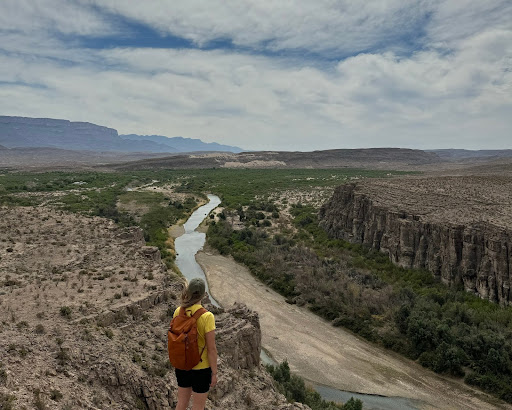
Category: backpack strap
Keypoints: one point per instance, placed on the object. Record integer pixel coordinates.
(199, 313)
(196, 316)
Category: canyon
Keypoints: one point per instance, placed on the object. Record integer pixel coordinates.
(457, 227)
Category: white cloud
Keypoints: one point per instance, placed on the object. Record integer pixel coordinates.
(318, 26)
(62, 16)
(429, 99)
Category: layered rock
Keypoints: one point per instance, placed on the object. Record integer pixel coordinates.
(85, 309)
(457, 228)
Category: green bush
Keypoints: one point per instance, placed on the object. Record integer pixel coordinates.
(294, 389)
(65, 311)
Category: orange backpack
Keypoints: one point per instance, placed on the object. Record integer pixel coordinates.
(182, 340)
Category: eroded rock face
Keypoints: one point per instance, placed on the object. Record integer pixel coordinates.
(240, 337)
(465, 248)
(85, 309)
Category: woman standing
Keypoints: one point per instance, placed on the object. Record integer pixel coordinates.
(197, 382)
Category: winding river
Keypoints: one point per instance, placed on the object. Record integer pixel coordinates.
(188, 244)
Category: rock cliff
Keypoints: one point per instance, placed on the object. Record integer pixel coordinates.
(85, 309)
(457, 228)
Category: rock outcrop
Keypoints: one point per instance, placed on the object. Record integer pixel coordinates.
(85, 309)
(444, 225)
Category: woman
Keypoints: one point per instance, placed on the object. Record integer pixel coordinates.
(197, 382)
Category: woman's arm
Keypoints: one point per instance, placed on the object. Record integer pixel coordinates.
(212, 355)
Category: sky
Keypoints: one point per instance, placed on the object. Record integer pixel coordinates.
(294, 75)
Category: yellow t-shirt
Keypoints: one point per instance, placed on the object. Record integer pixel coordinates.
(205, 324)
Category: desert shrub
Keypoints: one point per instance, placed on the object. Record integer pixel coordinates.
(62, 357)
(3, 375)
(22, 325)
(266, 223)
(65, 311)
(56, 395)
(39, 329)
(294, 389)
(7, 401)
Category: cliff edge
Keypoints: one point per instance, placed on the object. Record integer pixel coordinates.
(458, 228)
(85, 309)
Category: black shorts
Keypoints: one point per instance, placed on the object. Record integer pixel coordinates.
(199, 380)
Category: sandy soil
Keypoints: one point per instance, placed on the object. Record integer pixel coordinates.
(337, 358)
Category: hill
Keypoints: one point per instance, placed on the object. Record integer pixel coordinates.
(181, 144)
(24, 132)
(376, 158)
(459, 154)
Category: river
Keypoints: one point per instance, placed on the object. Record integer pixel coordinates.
(192, 241)
(418, 383)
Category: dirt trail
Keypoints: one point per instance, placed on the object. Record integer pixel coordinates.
(339, 359)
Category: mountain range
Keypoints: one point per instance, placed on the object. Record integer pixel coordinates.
(24, 132)
(180, 144)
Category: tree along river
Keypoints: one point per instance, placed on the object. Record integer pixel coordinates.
(188, 244)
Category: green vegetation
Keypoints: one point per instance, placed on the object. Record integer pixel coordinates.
(238, 187)
(408, 311)
(445, 329)
(294, 389)
(65, 311)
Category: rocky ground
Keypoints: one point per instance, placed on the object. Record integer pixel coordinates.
(457, 227)
(465, 199)
(84, 309)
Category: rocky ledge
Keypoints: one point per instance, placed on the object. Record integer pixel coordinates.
(458, 228)
(85, 309)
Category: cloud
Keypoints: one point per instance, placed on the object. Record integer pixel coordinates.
(60, 16)
(455, 90)
(324, 26)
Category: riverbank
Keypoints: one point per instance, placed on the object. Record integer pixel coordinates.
(337, 358)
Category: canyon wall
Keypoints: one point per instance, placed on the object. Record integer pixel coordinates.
(473, 254)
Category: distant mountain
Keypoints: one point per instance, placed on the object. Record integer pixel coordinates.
(2, 147)
(24, 132)
(183, 144)
(456, 154)
(370, 158)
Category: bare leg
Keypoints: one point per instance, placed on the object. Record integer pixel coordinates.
(199, 400)
(184, 394)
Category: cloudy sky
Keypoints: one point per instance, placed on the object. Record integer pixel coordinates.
(267, 74)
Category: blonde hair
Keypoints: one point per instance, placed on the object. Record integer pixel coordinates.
(188, 298)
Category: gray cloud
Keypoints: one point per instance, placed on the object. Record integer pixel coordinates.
(428, 98)
(29, 17)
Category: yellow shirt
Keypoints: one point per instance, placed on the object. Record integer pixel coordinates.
(205, 324)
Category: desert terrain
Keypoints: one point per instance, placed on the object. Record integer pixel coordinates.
(457, 200)
(347, 362)
(85, 307)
